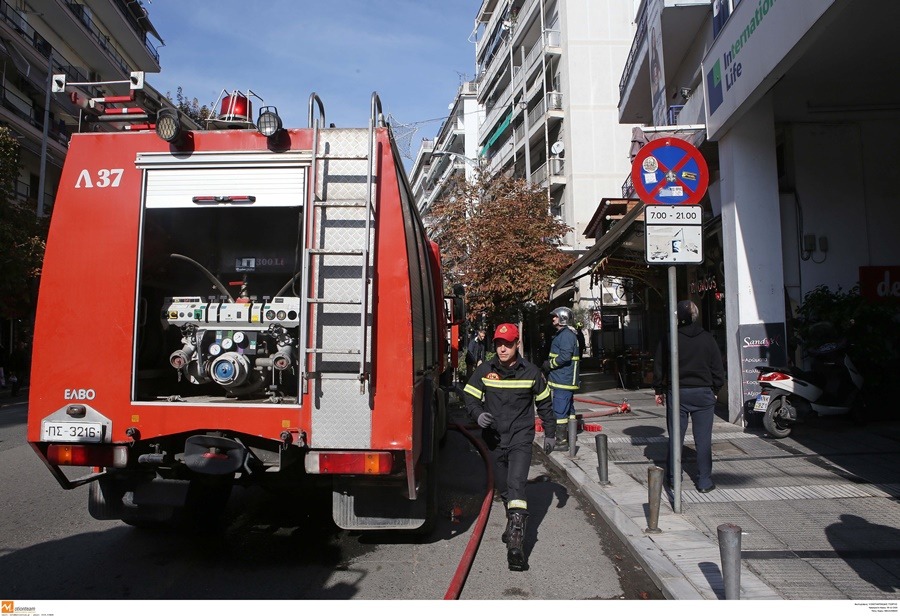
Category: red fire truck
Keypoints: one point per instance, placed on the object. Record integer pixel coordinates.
(237, 305)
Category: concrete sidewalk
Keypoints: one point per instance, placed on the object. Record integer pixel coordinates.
(818, 510)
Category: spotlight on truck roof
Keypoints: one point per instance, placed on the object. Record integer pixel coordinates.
(168, 127)
(269, 122)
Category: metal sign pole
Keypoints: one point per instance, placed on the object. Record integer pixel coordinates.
(671, 177)
(675, 402)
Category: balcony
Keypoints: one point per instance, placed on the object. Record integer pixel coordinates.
(101, 39)
(548, 43)
(29, 116)
(682, 27)
(550, 173)
(500, 157)
(128, 23)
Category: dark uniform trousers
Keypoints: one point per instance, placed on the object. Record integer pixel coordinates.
(511, 395)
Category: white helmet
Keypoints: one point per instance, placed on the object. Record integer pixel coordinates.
(565, 315)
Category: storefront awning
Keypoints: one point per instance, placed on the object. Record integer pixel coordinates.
(585, 264)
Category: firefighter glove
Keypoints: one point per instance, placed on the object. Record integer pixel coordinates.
(549, 444)
(546, 366)
(485, 420)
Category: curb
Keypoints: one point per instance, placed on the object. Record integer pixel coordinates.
(684, 542)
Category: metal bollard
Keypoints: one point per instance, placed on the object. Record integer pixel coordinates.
(730, 553)
(602, 458)
(573, 435)
(654, 497)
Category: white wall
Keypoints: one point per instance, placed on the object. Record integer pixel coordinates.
(596, 36)
(751, 234)
(829, 185)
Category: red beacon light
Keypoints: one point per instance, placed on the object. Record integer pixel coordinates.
(236, 107)
(236, 111)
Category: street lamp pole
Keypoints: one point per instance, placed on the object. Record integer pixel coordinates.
(43, 168)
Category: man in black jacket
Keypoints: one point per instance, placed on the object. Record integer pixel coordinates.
(501, 397)
(475, 352)
(700, 376)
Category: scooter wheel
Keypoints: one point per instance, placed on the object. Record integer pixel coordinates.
(773, 422)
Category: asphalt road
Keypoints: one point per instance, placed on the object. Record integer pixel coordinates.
(282, 545)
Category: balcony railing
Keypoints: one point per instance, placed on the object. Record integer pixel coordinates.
(543, 174)
(627, 188)
(536, 114)
(122, 5)
(499, 156)
(102, 39)
(639, 35)
(23, 191)
(24, 109)
(17, 20)
(539, 175)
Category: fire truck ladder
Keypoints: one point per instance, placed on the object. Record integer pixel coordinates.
(337, 320)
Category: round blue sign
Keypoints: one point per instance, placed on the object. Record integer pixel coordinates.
(669, 171)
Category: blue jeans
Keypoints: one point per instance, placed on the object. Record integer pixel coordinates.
(699, 405)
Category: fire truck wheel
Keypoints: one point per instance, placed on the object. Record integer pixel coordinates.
(431, 496)
(442, 403)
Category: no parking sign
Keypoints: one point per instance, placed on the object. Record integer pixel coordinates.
(669, 171)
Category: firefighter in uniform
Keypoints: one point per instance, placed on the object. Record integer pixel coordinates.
(562, 371)
(501, 397)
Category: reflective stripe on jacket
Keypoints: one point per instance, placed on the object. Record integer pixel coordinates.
(564, 360)
(510, 395)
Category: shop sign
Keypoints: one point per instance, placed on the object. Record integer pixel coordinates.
(760, 344)
(879, 282)
(747, 57)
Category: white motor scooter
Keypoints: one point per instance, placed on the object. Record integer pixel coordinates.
(790, 395)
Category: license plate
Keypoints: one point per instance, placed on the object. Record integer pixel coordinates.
(762, 403)
(70, 432)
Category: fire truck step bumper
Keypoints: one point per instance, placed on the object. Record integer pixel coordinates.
(373, 507)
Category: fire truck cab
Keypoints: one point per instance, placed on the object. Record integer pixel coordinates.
(237, 305)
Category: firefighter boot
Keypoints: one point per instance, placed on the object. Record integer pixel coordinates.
(562, 439)
(515, 545)
(505, 536)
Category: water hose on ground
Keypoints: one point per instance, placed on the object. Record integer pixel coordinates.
(465, 564)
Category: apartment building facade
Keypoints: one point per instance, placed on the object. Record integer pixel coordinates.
(87, 41)
(452, 155)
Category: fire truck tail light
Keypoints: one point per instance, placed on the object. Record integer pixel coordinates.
(88, 455)
(349, 463)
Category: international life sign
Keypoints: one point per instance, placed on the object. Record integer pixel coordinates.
(741, 65)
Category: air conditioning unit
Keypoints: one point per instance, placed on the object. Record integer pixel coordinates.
(554, 100)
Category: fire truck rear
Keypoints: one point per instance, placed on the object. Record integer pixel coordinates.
(240, 305)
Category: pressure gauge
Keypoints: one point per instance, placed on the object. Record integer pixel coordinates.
(214, 349)
(239, 338)
(227, 343)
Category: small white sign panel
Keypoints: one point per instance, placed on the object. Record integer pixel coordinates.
(673, 233)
